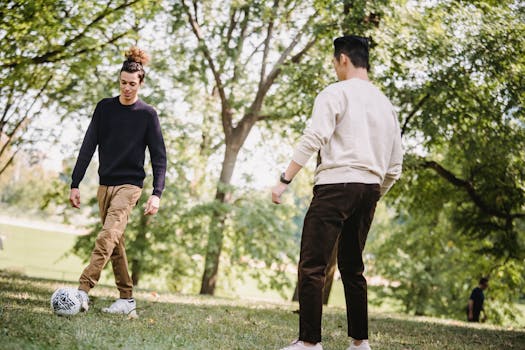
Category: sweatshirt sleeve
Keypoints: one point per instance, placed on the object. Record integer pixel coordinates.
(86, 150)
(322, 127)
(396, 161)
(157, 151)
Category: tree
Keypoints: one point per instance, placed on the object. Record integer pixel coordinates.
(456, 77)
(47, 48)
(482, 114)
(239, 56)
(243, 58)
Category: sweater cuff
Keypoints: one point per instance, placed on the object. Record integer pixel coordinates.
(157, 193)
(386, 185)
(300, 157)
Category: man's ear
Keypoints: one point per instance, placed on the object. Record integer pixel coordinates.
(344, 59)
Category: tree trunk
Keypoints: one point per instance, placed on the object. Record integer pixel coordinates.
(295, 296)
(216, 235)
(330, 272)
(140, 244)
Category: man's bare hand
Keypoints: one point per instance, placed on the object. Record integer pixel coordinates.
(277, 191)
(74, 198)
(152, 205)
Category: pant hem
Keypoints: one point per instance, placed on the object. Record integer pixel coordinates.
(84, 288)
(309, 340)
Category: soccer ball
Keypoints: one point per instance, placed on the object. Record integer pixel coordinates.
(66, 301)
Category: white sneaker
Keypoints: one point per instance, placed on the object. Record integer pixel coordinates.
(84, 300)
(299, 345)
(122, 306)
(363, 346)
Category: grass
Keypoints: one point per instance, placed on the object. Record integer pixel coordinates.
(174, 321)
(39, 253)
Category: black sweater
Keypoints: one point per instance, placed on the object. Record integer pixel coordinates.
(122, 133)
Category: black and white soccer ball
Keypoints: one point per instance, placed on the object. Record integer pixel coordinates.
(66, 301)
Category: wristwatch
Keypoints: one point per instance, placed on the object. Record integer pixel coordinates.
(283, 180)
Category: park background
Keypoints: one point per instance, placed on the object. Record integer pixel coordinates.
(234, 83)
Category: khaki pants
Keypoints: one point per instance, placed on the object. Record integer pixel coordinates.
(115, 204)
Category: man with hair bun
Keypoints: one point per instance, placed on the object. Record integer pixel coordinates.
(355, 132)
(121, 127)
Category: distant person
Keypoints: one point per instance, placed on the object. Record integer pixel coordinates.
(475, 302)
(122, 127)
(355, 132)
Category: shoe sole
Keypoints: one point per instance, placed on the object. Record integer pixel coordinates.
(131, 314)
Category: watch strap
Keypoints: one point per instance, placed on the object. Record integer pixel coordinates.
(283, 180)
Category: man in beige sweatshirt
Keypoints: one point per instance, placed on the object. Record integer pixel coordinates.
(355, 131)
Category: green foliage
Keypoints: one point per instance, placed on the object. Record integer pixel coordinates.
(456, 71)
(432, 267)
(261, 240)
(23, 189)
(236, 71)
(56, 55)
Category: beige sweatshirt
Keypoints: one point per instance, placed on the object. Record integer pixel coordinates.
(355, 129)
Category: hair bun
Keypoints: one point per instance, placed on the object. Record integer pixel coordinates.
(137, 55)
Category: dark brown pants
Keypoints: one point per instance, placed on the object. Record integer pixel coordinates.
(115, 204)
(337, 210)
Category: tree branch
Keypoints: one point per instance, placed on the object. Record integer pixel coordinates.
(6, 165)
(54, 55)
(8, 105)
(226, 113)
(196, 10)
(297, 57)
(414, 111)
(240, 44)
(19, 99)
(23, 122)
(269, 33)
(109, 42)
(471, 191)
(264, 117)
(231, 26)
(252, 115)
(277, 67)
(255, 50)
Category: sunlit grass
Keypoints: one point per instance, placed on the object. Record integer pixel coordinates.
(176, 321)
(39, 253)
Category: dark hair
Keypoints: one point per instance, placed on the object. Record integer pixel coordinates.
(484, 280)
(135, 61)
(355, 47)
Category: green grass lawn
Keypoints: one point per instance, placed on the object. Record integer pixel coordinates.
(44, 254)
(171, 321)
(39, 253)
